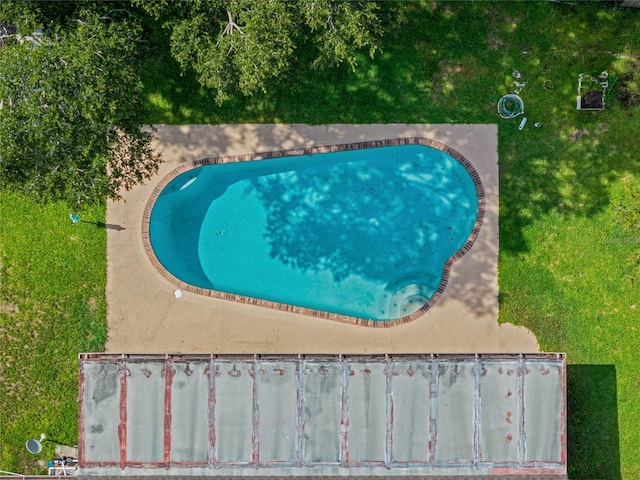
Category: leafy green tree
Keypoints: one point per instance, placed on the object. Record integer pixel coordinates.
(70, 104)
(29, 15)
(244, 44)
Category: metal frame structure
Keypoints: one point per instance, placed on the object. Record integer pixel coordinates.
(498, 414)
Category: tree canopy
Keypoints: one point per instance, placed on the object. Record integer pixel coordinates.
(70, 107)
(71, 96)
(243, 44)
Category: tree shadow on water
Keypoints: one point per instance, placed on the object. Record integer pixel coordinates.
(383, 224)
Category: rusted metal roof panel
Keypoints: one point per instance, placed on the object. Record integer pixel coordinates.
(322, 412)
(278, 413)
(411, 412)
(542, 386)
(145, 398)
(367, 434)
(283, 415)
(190, 413)
(100, 406)
(233, 420)
(455, 415)
(500, 406)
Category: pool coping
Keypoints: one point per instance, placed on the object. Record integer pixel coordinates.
(226, 159)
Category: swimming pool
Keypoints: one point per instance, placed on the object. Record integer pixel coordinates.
(364, 233)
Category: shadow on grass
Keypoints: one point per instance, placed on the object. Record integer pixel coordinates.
(450, 62)
(593, 444)
(108, 226)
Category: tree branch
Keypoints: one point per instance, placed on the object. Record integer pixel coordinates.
(231, 26)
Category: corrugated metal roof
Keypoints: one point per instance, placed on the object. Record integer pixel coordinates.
(323, 415)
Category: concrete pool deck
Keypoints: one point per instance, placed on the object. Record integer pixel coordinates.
(145, 317)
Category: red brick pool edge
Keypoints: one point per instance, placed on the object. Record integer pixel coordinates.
(309, 151)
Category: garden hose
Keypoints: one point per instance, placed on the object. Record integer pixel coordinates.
(510, 106)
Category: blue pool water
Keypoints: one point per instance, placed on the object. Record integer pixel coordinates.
(364, 233)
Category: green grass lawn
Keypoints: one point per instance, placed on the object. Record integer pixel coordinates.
(563, 256)
(52, 306)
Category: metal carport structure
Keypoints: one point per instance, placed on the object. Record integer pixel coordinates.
(254, 416)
